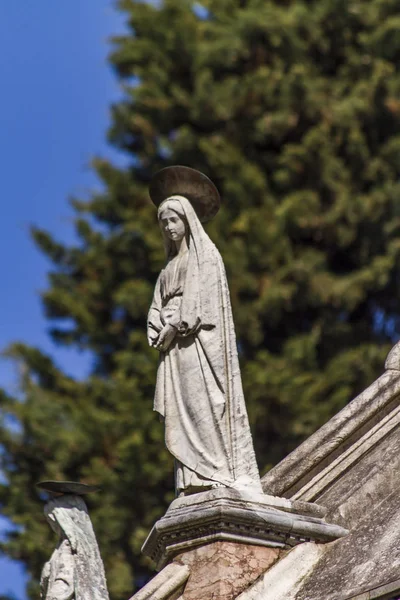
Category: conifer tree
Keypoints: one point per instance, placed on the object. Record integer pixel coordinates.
(292, 108)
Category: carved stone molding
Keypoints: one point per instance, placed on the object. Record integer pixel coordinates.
(165, 585)
(348, 435)
(393, 358)
(226, 514)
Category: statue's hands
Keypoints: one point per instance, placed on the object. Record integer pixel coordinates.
(165, 337)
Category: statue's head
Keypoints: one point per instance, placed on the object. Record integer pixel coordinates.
(172, 219)
(68, 517)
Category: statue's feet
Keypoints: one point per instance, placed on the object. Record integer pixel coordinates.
(196, 489)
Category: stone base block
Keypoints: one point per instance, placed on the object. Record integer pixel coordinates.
(222, 570)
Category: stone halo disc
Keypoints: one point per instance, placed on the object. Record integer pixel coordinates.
(185, 181)
(67, 487)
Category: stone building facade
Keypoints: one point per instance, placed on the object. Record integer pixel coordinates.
(327, 528)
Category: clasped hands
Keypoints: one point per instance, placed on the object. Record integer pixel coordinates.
(165, 337)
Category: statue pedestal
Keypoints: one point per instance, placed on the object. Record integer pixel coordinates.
(228, 537)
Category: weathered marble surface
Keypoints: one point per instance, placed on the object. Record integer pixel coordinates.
(351, 466)
(222, 570)
(75, 570)
(366, 498)
(199, 390)
(389, 591)
(226, 514)
(285, 578)
(166, 585)
(336, 437)
(393, 358)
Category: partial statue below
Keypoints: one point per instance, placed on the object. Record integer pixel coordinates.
(199, 389)
(75, 570)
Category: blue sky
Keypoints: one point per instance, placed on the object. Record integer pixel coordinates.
(56, 90)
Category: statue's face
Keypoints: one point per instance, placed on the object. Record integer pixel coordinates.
(173, 225)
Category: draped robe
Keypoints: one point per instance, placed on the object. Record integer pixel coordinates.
(75, 570)
(199, 389)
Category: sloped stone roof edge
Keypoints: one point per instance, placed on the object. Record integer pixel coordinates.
(338, 434)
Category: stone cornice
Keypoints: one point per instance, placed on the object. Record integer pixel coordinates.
(230, 515)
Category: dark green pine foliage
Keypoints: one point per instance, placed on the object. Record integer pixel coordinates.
(292, 108)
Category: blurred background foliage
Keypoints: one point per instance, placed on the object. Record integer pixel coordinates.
(292, 108)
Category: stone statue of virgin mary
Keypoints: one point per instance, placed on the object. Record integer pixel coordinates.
(75, 570)
(199, 390)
